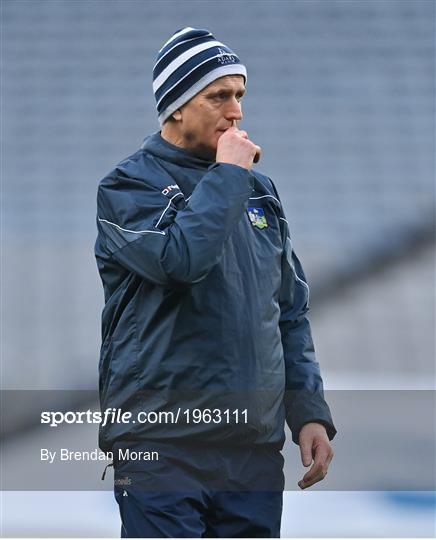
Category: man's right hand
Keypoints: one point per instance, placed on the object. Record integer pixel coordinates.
(234, 147)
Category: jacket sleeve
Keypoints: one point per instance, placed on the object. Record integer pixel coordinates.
(164, 240)
(304, 394)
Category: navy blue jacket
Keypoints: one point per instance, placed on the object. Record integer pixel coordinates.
(205, 303)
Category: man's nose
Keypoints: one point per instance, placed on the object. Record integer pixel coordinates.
(234, 111)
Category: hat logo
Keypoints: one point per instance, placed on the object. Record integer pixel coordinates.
(226, 57)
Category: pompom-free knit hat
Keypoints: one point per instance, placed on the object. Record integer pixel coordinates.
(189, 61)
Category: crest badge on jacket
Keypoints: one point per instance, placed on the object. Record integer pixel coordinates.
(257, 217)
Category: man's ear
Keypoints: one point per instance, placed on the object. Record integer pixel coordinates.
(177, 115)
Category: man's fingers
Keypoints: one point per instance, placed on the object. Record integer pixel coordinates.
(318, 471)
(258, 154)
(234, 130)
(313, 479)
(240, 132)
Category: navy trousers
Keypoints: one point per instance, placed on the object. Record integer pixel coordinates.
(200, 491)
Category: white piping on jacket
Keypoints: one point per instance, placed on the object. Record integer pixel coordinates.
(129, 230)
(262, 196)
(166, 208)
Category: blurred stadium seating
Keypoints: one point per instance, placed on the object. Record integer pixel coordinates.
(340, 96)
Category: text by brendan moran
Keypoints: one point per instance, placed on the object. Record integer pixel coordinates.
(122, 454)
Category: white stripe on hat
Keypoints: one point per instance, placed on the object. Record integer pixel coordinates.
(175, 36)
(177, 62)
(179, 43)
(184, 77)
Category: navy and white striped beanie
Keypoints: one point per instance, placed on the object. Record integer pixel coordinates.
(189, 61)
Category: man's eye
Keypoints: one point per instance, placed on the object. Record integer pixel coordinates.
(224, 96)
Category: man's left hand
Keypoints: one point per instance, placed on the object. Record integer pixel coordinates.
(314, 443)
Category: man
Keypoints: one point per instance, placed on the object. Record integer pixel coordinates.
(205, 315)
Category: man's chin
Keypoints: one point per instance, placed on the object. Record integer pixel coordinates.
(205, 152)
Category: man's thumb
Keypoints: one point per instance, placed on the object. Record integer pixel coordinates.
(306, 454)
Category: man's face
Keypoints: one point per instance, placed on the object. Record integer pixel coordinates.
(211, 112)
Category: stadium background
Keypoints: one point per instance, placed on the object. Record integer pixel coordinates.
(340, 96)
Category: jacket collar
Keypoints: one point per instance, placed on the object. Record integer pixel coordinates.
(159, 147)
